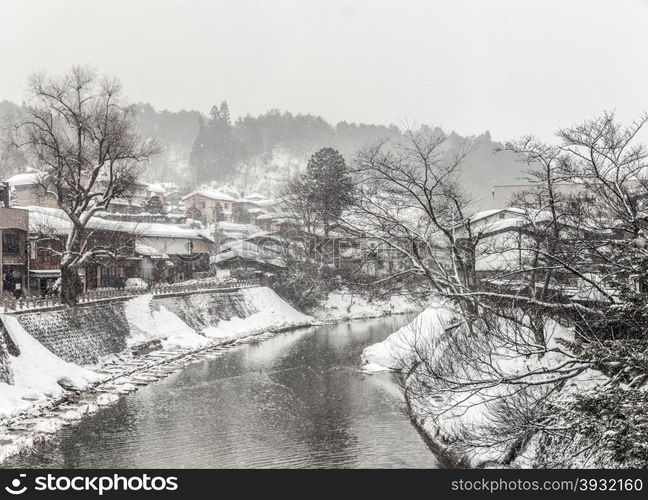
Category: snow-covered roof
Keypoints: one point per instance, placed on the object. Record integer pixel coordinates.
(25, 179)
(498, 260)
(265, 235)
(484, 214)
(149, 251)
(54, 219)
(121, 201)
(219, 195)
(502, 225)
(254, 196)
(237, 226)
(205, 233)
(248, 254)
(274, 215)
(45, 273)
(240, 245)
(236, 230)
(257, 199)
(524, 218)
(155, 188)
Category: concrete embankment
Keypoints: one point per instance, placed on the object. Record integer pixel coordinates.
(57, 365)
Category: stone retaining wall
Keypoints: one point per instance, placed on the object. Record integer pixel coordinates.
(201, 310)
(81, 335)
(6, 375)
(89, 332)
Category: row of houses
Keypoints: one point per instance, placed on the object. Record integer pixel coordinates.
(208, 205)
(198, 234)
(506, 243)
(32, 240)
(212, 206)
(212, 230)
(26, 189)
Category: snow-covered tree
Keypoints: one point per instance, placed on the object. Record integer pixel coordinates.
(213, 156)
(572, 299)
(78, 132)
(154, 205)
(327, 186)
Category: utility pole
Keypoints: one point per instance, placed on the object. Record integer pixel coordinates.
(1, 263)
(4, 203)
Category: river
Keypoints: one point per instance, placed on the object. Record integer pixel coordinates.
(295, 400)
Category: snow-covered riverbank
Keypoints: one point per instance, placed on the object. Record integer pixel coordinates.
(461, 423)
(344, 305)
(47, 392)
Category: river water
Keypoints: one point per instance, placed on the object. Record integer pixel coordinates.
(296, 400)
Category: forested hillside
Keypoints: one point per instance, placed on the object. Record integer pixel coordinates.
(260, 153)
(11, 159)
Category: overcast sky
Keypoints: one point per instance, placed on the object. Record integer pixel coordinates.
(509, 66)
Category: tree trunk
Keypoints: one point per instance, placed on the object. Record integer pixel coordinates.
(537, 326)
(71, 286)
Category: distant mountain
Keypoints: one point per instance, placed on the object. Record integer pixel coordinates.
(11, 159)
(268, 149)
(486, 166)
(175, 132)
(265, 151)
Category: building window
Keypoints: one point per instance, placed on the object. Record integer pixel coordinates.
(10, 241)
(201, 204)
(502, 215)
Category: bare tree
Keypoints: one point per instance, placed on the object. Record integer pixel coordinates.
(106, 242)
(562, 293)
(303, 215)
(593, 195)
(411, 203)
(78, 132)
(610, 161)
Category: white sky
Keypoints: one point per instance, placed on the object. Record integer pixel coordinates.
(509, 66)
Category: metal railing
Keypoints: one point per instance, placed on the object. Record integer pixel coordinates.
(10, 304)
(202, 285)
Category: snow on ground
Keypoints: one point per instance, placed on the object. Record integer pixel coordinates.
(434, 335)
(396, 351)
(344, 305)
(36, 372)
(273, 313)
(147, 323)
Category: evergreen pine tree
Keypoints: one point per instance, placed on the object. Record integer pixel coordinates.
(225, 114)
(328, 185)
(213, 156)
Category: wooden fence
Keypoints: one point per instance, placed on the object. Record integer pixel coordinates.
(8, 304)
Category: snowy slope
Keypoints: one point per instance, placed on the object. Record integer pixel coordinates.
(36, 371)
(447, 414)
(396, 351)
(342, 305)
(272, 313)
(149, 323)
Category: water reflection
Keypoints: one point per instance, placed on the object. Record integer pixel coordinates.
(296, 400)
